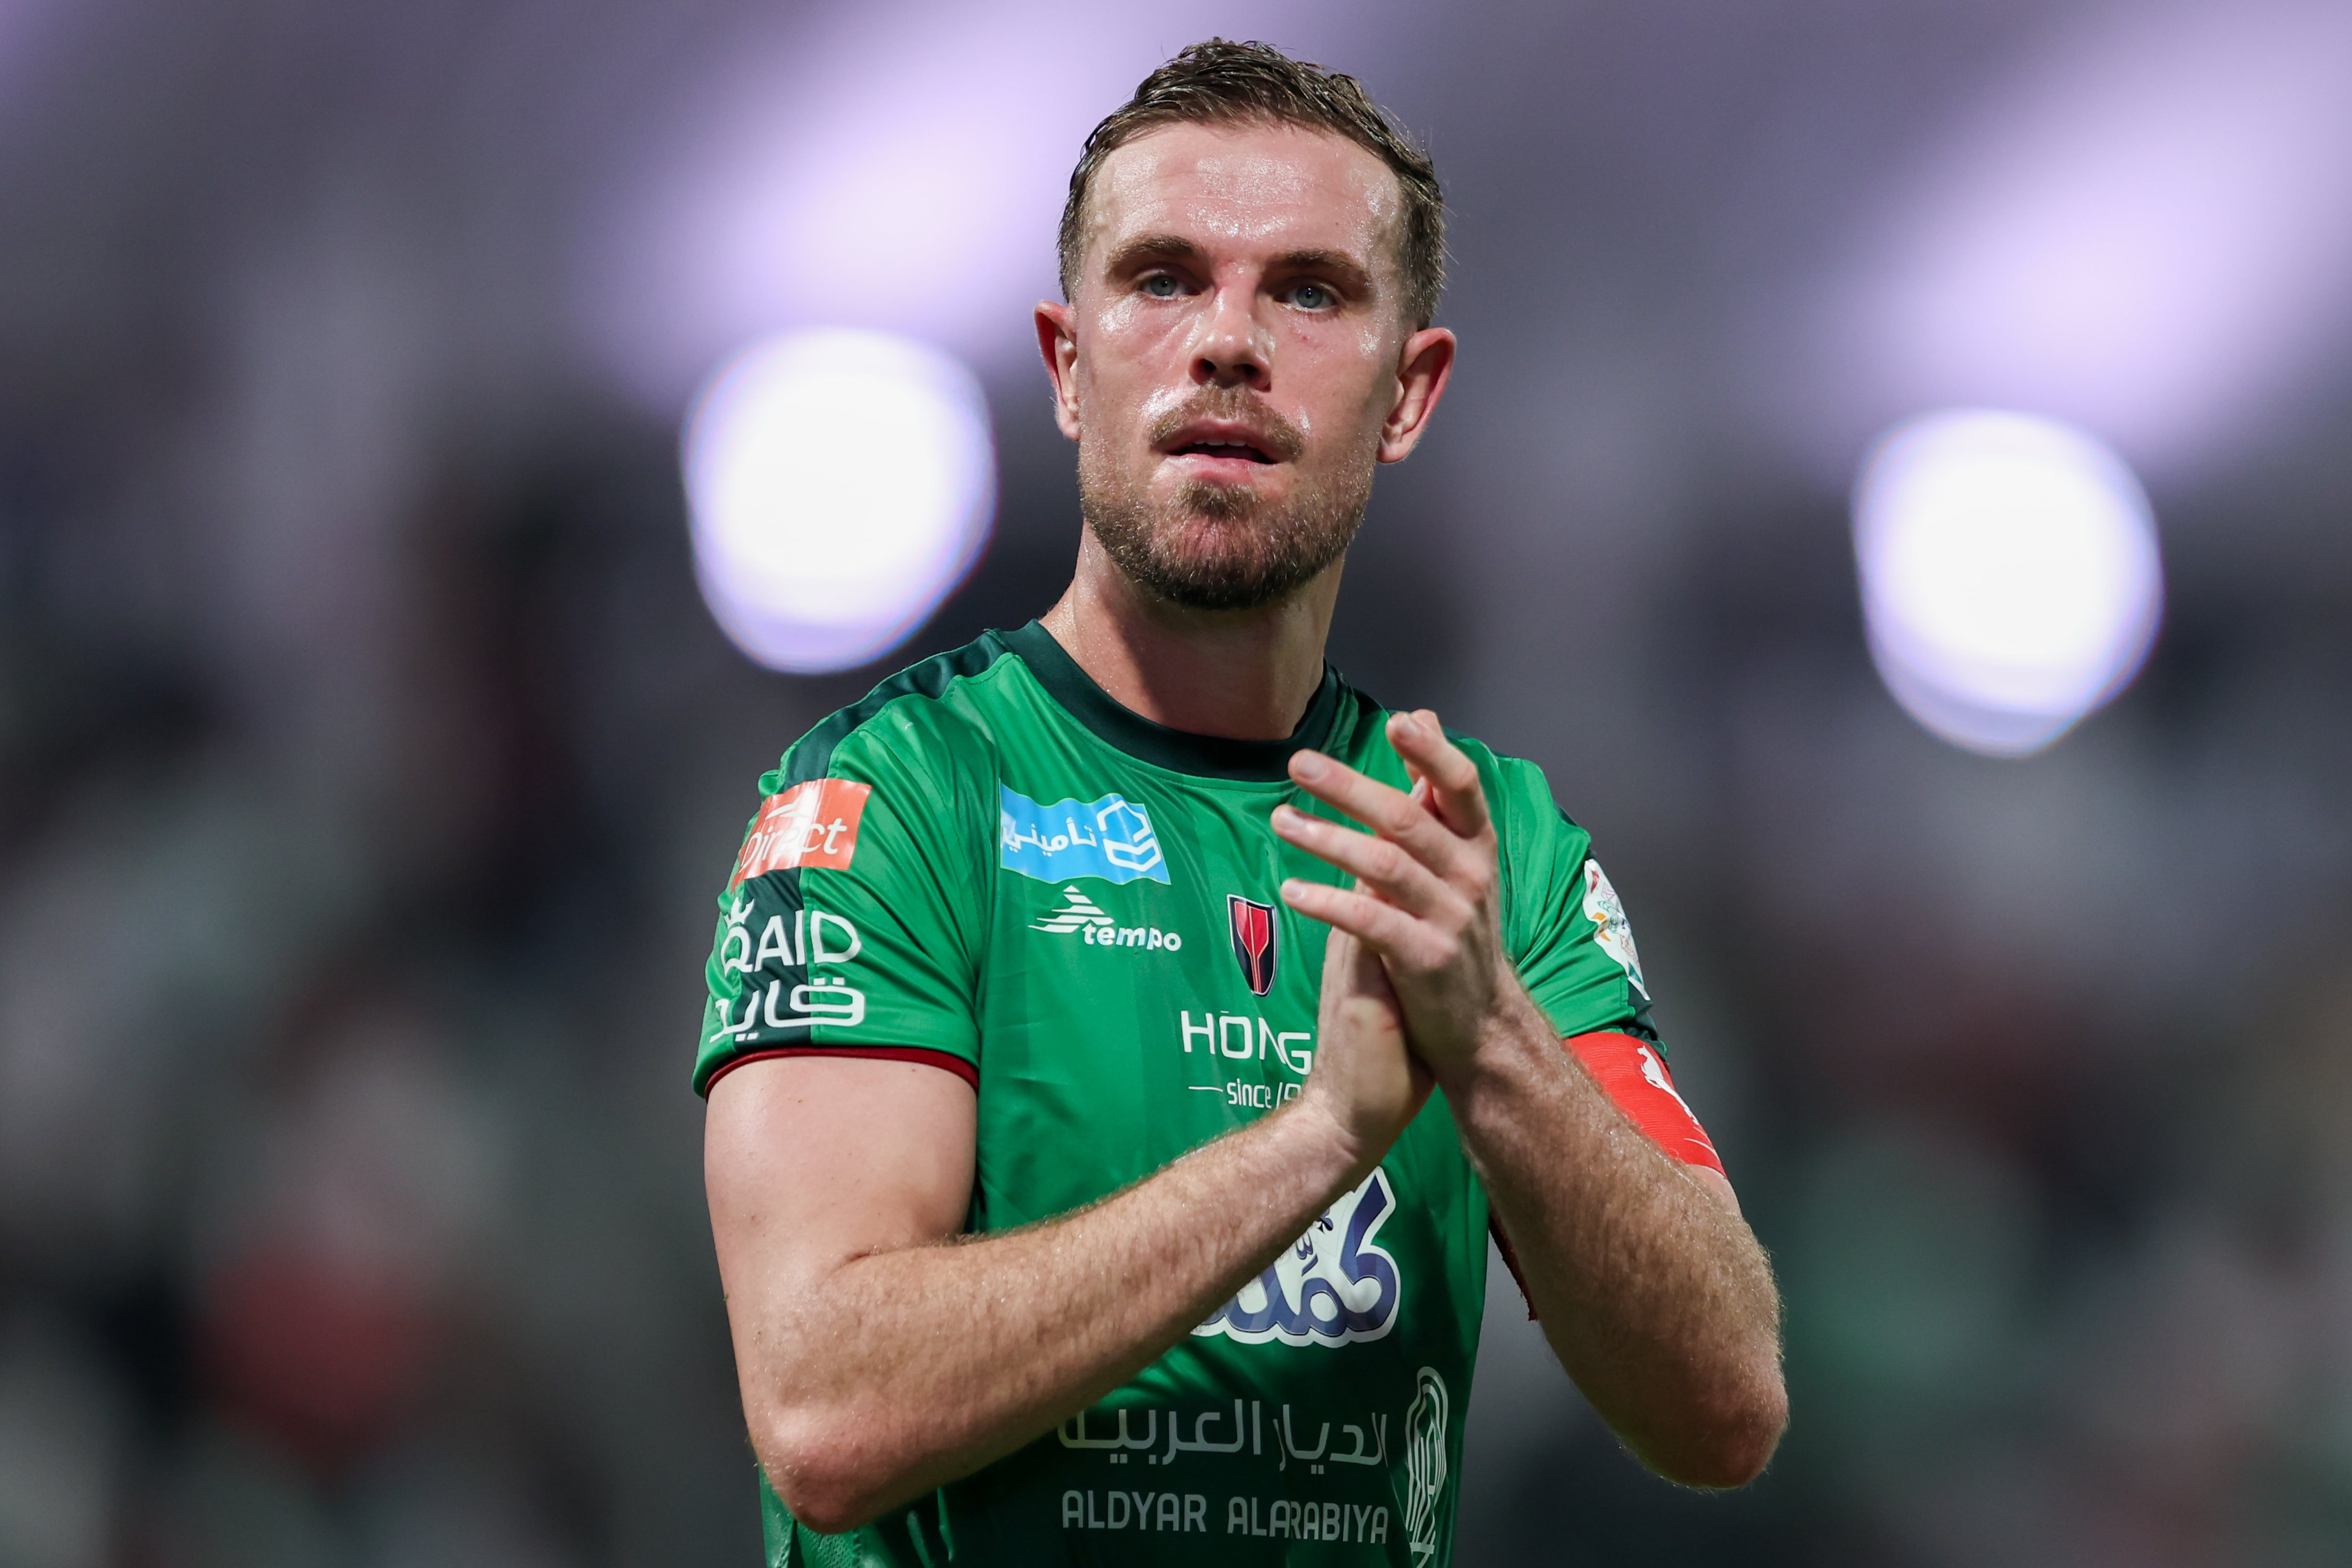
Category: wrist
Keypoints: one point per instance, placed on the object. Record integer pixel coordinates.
(1319, 1137)
(1509, 1041)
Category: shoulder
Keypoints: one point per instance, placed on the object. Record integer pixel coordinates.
(1538, 842)
(1528, 818)
(1522, 798)
(932, 719)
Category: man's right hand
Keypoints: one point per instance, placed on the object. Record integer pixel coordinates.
(1365, 1079)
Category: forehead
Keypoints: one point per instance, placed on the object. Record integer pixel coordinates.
(1246, 189)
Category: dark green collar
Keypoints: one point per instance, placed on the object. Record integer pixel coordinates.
(1208, 756)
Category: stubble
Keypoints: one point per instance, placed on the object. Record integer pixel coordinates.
(1223, 547)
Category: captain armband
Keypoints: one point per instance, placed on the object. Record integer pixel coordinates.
(1630, 1073)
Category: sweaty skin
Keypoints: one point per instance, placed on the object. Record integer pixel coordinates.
(1252, 271)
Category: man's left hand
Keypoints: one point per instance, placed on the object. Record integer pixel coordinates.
(1427, 897)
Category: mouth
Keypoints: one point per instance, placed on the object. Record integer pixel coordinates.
(1225, 451)
(1229, 446)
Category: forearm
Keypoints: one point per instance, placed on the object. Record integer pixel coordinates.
(877, 1379)
(1652, 1290)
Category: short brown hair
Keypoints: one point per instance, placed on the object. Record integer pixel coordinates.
(1219, 82)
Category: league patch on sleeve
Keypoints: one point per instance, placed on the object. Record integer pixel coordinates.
(811, 823)
(1610, 927)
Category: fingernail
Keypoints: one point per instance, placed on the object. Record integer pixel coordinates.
(1404, 724)
(1307, 764)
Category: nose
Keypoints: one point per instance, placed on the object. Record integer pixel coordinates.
(1232, 348)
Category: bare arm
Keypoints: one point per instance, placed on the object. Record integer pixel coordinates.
(1652, 1290)
(880, 1356)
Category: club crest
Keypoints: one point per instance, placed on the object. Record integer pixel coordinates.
(1253, 929)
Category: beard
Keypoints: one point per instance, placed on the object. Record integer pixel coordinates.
(1223, 547)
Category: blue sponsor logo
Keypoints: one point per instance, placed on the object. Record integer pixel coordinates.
(1110, 838)
(1335, 1286)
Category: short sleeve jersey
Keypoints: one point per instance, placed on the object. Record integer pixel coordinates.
(991, 866)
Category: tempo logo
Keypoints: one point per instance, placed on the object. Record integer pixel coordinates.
(1081, 914)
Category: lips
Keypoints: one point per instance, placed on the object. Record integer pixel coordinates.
(1227, 425)
(1222, 448)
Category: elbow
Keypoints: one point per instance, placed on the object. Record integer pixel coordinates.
(1731, 1444)
(825, 1478)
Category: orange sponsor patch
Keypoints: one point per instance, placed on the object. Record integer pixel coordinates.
(812, 824)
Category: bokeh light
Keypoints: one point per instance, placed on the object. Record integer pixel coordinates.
(2141, 226)
(817, 178)
(2009, 575)
(840, 483)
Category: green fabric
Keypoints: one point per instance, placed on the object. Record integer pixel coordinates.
(1040, 887)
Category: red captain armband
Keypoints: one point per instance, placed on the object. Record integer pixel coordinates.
(1635, 1080)
(1630, 1074)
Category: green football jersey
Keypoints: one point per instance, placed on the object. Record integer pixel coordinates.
(990, 864)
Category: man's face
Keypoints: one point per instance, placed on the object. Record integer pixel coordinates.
(1230, 366)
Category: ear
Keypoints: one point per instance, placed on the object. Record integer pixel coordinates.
(1057, 340)
(1422, 367)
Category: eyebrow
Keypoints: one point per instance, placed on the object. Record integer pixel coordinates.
(1341, 267)
(1152, 248)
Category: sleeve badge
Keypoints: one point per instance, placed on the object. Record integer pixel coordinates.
(1610, 927)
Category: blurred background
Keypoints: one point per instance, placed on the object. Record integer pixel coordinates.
(378, 718)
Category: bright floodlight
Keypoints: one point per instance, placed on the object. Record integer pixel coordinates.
(2010, 576)
(840, 483)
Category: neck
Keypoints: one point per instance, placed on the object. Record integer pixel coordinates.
(1242, 675)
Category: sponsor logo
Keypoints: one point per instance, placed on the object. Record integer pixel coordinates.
(1111, 839)
(1081, 914)
(1655, 1071)
(812, 824)
(1245, 1037)
(1256, 1435)
(1424, 1462)
(1334, 1287)
(1610, 927)
(1252, 928)
(815, 937)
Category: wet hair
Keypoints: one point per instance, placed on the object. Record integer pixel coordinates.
(1222, 83)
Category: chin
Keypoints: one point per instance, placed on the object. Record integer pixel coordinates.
(1223, 503)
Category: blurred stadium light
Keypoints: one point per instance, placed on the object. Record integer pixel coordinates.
(2009, 575)
(898, 165)
(840, 484)
(2145, 232)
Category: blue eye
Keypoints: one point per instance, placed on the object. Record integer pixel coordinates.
(1160, 286)
(1312, 297)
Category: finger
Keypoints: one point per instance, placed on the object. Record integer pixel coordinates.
(1340, 956)
(1351, 969)
(1459, 798)
(1390, 813)
(1368, 975)
(1387, 868)
(1387, 931)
